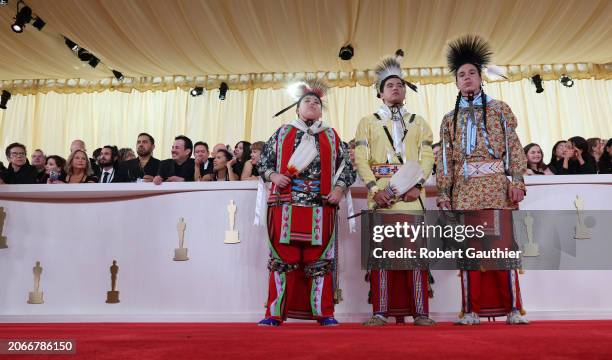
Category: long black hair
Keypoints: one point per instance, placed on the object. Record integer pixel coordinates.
(553, 156)
(246, 151)
(605, 158)
(228, 156)
(580, 143)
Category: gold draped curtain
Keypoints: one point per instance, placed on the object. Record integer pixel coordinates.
(149, 38)
(280, 80)
(51, 120)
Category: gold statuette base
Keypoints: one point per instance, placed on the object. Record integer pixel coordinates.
(112, 297)
(180, 254)
(231, 237)
(531, 249)
(35, 297)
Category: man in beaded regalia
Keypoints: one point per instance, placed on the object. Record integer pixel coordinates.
(310, 168)
(385, 141)
(480, 149)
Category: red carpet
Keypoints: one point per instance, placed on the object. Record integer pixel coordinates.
(540, 340)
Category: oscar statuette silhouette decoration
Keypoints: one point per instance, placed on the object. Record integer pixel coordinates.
(231, 235)
(180, 254)
(36, 296)
(531, 248)
(112, 296)
(3, 244)
(581, 230)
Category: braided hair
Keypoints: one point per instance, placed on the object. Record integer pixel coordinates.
(484, 112)
(484, 107)
(455, 117)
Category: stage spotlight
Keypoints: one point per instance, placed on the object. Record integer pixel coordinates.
(84, 55)
(94, 62)
(223, 90)
(537, 81)
(197, 91)
(4, 98)
(566, 81)
(24, 15)
(38, 23)
(346, 52)
(71, 44)
(118, 75)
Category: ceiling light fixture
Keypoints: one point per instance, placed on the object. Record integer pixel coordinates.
(537, 81)
(118, 75)
(4, 98)
(39, 23)
(346, 52)
(84, 55)
(71, 44)
(223, 90)
(94, 62)
(23, 16)
(197, 91)
(566, 81)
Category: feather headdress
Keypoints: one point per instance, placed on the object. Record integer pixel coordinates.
(303, 87)
(390, 67)
(468, 49)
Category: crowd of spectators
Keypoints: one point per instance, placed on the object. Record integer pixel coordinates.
(109, 164)
(195, 162)
(574, 156)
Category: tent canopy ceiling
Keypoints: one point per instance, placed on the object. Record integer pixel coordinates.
(201, 37)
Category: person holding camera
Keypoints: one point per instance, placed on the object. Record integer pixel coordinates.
(54, 170)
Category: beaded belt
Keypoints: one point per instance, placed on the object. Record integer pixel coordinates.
(384, 170)
(303, 186)
(307, 186)
(483, 168)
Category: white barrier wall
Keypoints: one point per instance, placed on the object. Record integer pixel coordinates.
(77, 230)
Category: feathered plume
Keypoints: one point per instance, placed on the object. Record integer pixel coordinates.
(399, 55)
(468, 49)
(495, 72)
(314, 86)
(390, 66)
(303, 87)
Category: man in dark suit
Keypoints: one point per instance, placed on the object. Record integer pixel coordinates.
(181, 166)
(108, 161)
(145, 167)
(19, 171)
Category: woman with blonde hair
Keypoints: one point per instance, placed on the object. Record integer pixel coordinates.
(78, 168)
